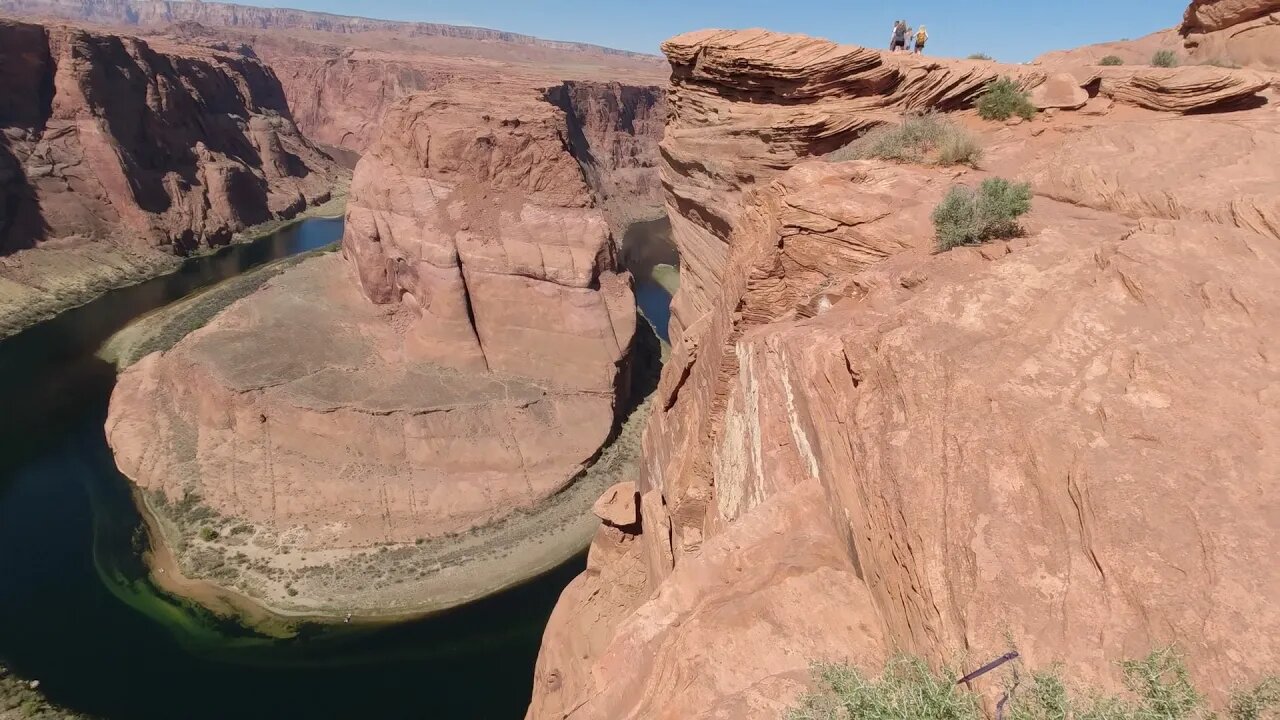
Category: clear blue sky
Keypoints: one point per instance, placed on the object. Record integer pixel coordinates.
(1010, 30)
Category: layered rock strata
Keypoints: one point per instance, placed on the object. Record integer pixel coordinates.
(465, 359)
(108, 137)
(860, 446)
(117, 154)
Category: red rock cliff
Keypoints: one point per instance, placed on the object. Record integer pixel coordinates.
(860, 446)
(109, 137)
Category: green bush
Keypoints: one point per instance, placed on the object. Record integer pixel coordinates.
(1158, 688)
(923, 139)
(208, 534)
(906, 689)
(966, 217)
(1111, 60)
(980, 56)
(1003, 99)
(1164, 59)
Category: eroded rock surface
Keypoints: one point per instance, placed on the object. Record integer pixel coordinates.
(109, 137)
(117, 154)
(860, 446)
(463, 360)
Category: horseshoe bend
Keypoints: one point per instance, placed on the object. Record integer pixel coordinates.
(403, 369)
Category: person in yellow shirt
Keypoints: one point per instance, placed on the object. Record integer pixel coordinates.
(922, 37)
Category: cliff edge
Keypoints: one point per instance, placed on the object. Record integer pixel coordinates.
(861, 446)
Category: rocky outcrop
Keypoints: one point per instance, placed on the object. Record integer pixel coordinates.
(464, 361)
(860, 446)
(1184, 89)
(1210, 15)
(110, 138)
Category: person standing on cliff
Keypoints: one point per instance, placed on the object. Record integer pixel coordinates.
(899, 36)
(922, 37)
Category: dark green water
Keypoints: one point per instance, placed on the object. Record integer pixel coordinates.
(76, 610)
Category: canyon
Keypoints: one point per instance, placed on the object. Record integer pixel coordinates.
(1059, 444)
(859, 444)
(118, 154)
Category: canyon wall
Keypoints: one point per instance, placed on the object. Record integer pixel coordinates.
(112, 138)
(860, 446)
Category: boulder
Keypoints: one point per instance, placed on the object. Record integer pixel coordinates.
(1059, 91)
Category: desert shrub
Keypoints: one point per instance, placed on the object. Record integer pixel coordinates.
(208, 534)
(968, 217)
(1222, 63)
(921, 139)
(1257, 703)
(906, 689)
(980, 56)
(1003, 99)
(1158, 688)
(1164, 59)
(1111, 60)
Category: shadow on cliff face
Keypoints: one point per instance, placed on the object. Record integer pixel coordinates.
(26, 101)
(22, 224)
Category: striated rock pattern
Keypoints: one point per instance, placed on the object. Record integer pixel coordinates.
(1209, 15)
(111, 138)
(1241, 32)
(1184, 89)
(860, 446)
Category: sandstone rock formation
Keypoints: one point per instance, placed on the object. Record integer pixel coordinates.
(117, 153)
(1241, 32)
(340, 74)
(112, 138)
(860, 446)
(1211, 15)
(466, 361)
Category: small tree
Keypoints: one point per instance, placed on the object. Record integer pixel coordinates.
(1111, 60)
(1164, 59)
(1003, 99)
(966, 217)
(980, 56)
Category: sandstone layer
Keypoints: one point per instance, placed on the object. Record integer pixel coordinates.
(860, 446)
(339, 73)
(116, 153)
(465, 359)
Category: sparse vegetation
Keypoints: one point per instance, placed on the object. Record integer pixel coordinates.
(1158, 688)
(980, 56)
(1111, 60)
(1164, 59)
(923, 139)
(208, 534)
(966, 217)
(1003, 99)
(1222, 63)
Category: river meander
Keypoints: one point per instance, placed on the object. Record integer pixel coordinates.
(78, 613)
